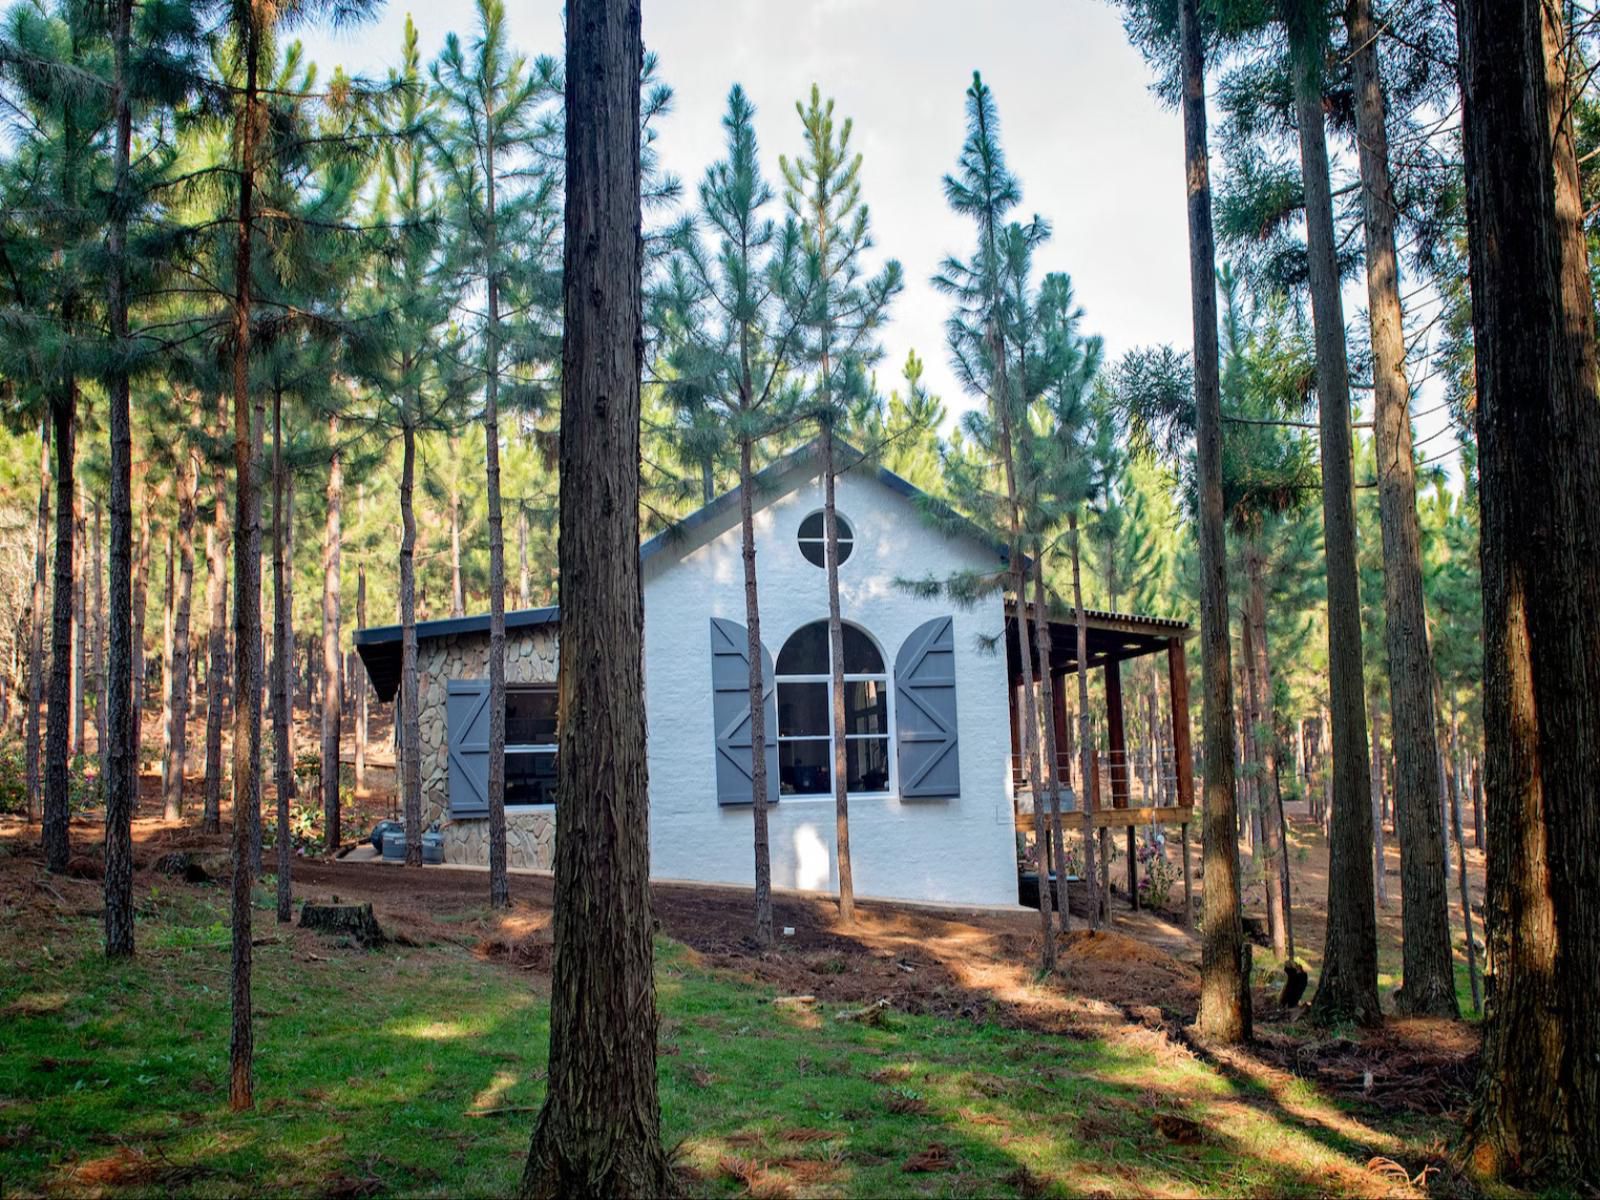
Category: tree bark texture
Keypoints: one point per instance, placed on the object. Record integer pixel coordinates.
(282, 666)
(1427, 980)
(247, 587)
(63, 412)
(178, 674)
(1275, 830)
(118, 727)
(1536, 1110)
(841, 781)
(216, 638)
(758, 708)
(599, 1132)
(410, 717)
(141, 597)
(332, 674)
(1347, 989)
(499, 890)
(1225, 1014)
(33, 766)
(1052, 761)
(1091, 877)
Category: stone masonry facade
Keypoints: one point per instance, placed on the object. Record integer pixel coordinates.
(530, 658)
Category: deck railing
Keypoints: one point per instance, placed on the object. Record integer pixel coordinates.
(1121, 779)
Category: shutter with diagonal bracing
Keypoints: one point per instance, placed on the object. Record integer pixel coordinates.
(730, 702)
(925, 711)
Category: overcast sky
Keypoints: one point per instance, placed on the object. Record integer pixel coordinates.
(1098, 157)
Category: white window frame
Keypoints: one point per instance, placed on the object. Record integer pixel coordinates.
(549, 748)
(886, 737)
(848, 536)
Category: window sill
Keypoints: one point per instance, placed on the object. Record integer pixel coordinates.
(813, 797)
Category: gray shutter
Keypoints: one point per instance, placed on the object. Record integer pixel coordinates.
(730, 706)
(925, 711)
(467, 731)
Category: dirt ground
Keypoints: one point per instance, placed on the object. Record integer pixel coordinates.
(1139, 978)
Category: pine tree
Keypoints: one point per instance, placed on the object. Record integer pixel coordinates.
(846, 309)
(1536, 1109)
(733, 319)
(1225, 1014)
(598, 1132)
(491, 109)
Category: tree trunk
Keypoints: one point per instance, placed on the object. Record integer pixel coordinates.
(282, 663)
(758, 708)
(598, 1133)
(1224, 957)
(118, 723)
(63, 411)
(178, 683)
(458, 592)
(1380, 877)
(524, 576)
(1428, 986)
(499, 890)
(289, 678)
(1536, 1110)
(141, 601)
(247, 586)
(1453, 782)
(36, 619)
(168, 599)
(97, 550)
(841, 781)
(332, 664)
(217, 637)
(80, 624)
(1348, 987)
(1275, 832)
(359, 682)
(409, 725)
(1091, 878)
(1052, 761)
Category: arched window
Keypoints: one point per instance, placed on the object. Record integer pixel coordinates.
(805, 714)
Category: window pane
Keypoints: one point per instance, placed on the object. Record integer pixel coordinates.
(531, 717)
(803, 768)
(866, 706)
(861, 657)
(867, 763)
(806, 653)
(530, 777)
(816, 553)
(803, 709)
(845, 546)
(812, 526)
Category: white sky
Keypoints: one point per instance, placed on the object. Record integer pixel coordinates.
(1097, 155)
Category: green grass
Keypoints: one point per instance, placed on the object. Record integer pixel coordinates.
(114, 1075)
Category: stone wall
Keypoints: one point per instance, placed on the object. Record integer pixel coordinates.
(530, 658)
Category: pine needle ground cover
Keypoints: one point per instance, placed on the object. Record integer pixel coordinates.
(416, 1070)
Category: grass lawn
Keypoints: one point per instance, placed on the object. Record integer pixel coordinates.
(112, 1079)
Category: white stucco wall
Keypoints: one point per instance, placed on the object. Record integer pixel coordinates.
(959, 850)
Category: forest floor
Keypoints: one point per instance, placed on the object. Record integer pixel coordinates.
(416, 1069)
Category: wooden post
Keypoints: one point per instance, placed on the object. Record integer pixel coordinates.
(1058, 710)
(1178, 674)
(1116, 736)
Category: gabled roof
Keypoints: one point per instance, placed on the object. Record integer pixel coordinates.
(379, 647)
(767, 485)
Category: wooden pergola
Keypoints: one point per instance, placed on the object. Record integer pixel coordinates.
(1121, 793)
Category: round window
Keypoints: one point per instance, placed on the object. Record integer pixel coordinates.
(814, 541)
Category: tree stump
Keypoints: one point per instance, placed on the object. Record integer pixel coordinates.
(354, 921)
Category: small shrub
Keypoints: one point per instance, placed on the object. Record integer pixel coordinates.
(13, 778)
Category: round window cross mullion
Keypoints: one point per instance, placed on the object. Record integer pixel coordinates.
(813, 539)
